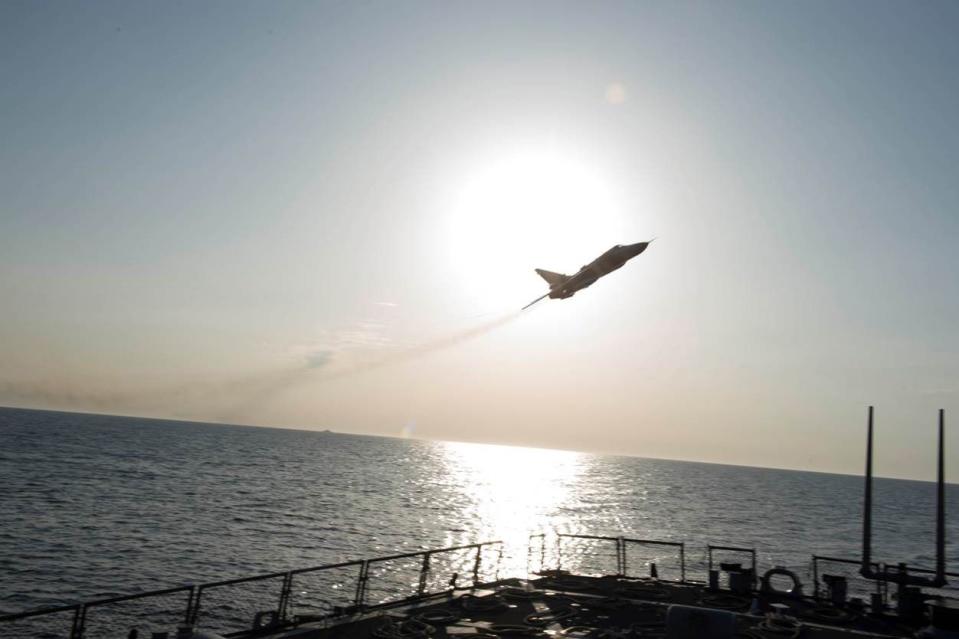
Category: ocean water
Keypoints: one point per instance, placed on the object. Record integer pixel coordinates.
(92, 506)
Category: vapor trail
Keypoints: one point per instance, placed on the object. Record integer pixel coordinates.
(77, 394)
(225, 398)
(421, 350)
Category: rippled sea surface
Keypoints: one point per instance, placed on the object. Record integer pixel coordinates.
(92, 506)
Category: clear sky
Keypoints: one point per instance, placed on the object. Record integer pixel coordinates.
(309, 214)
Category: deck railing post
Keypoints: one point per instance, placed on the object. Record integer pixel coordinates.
(529, 556)
(189, 605)
(476, 564)
(75, 627)
(361, 584)
(285, 592)
(620, 557)
(559, 552)
(682, 562)
(80, 626)
(815, 577)
(196, 607)
(424, 574)
(882, 586)
(499, 562)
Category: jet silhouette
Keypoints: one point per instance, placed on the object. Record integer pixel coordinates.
(563, 286)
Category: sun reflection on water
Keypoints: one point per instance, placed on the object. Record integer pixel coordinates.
(513, 492)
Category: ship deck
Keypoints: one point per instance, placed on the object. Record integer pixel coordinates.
(593, 607)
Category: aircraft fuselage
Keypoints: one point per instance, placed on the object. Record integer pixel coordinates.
(564, 286)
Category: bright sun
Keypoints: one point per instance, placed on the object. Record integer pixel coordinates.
(529, 210)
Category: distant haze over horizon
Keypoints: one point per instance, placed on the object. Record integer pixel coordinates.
(328, 215)
(931, 479)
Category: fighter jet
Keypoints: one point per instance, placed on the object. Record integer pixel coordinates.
(563, 286)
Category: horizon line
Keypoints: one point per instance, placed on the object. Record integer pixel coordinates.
(464, 441)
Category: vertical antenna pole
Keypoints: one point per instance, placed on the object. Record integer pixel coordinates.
(941, 505)
(866, 567)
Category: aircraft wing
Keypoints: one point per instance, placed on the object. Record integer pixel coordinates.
(583, 278)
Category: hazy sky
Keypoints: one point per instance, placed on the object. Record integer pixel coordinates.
(317, 215)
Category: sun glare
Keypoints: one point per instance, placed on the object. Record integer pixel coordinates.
(528, 210)
(513, 491)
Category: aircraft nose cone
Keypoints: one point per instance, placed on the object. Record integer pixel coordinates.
(636, 249)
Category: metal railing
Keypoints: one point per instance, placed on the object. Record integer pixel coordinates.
(86, 618)
(531, 553)
(333, 579)
(216, 604)
(613, 553)
(48, 617)
(585, 546)
(626, 543)
(234, 599)
(280, 599)
(928, 571)
(859, 585)
(848, 568)
(711, 550)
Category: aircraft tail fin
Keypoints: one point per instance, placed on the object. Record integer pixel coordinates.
(552, 278)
